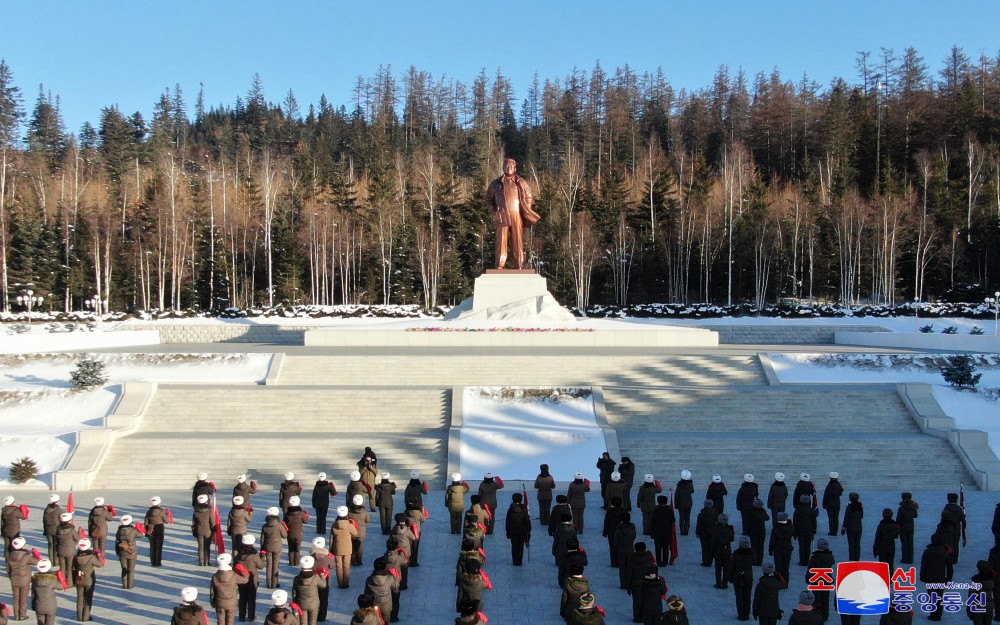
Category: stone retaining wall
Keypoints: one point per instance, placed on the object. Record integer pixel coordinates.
(789, 334)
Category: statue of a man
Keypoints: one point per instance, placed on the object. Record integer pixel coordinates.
(510, 202)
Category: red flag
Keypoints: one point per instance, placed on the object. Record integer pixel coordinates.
(70, 506)
(673, 542)
(220, 542)
(170, 517)
(482, 617)
(486, 578)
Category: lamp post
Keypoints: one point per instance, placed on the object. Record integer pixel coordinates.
(28, 299)
(916, 315)
(995, 303)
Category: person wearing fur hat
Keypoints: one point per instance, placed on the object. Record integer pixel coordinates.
(488, 497)
(706, 520)
(576, 497)
(574, 555)
(357, 513)
(224, 588)
(306, 587)
(684, 501)
(68, 535)
(415, 517)
(574, 587)
(244, 488)
(741, 576)
(676, 613)
(323, 491)
(454, 501)
(936, 567)
(589, 613)
(471, 584)
(766, 604)
(250, 558)
(238, 521)
(717, 492)
(44, 586)
(822, 558)
(614, 489)
(384, 491)
(806, 613)
(322, 559)
(202, 487)
(780, 546)
(97, 523)
(517, 527)
(886, 534)
(288, 488)
(804, 486)
(281, 613)
(555, 516)
(721, 545)
(156, 521)
(127, 550)
(831, 502)
(415, 489)
(804, 524)
(356, 487)
(203, 527)
(906, 516)
(652, 591)
(189, 612)
(959, 521)
(853, 515)
(777, 496)
(605, 467)
(273, 535)
(50, 521)
(382, 585)
(544, 484)
(295, 520)
(624, 545)
(756, 529)
(744, 499)
(646, 500)
(85, 562)
(663, 530)
(342, 535)
(626, 469)
(19, 563)
(368, 613)
(369, 477)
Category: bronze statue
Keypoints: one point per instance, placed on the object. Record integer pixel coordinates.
(510, 201)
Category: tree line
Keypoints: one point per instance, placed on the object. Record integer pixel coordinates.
(751, 190)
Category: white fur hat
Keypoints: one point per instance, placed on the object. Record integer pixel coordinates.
(44, 565)
(685, 475)
(456, 477)
(273, 511)
(242, 477)
(66, 517)
(779, 477)
(385, 475)
(18, 542)
(834, 475)
(202, 476)
(189, 594)
(488, 476)
(127, 519)
(319, 542)
(155, 501)
(414, 475)
(294, 500)
(237, 500)
(748, 477)
(8, 500)
(342, 511)
(289, 476)
(615, 475)
(224, 558)
(321, 476)
(648, 478)
(98, 501)
(54, 498)
(716, 478)
(249, 539)
(202, 498)
(357, 500)
(306, 562)
(578, 475)
(355, 475)
(83, 544)
(804, 476)
(279, 597)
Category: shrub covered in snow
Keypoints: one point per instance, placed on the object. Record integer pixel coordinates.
(961, 371)
(23, 470)
(89, 373)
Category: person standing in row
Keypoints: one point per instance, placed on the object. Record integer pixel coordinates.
(295, 520)
(517, 528)
(853, 515)
(238, 521)
(288, 489)
(745, 496)
(50, 522)
(717, 492)
(251, 560)
(19, 563)
(757, 520)
(684, 501)
(369, 477)
(359, 516)
(223, 591)
(576, 497)
(707, 518)
(203, 528)
(415, 489)
(85, 562)
(777, 496)
(831, 502)
(244, 488)
(664, 532)
(306, 587)
(721, 546)
(488, 497)
(454, 501)
(605, 468)
(156, 521)
(906, 516)
(886, 533)
(323, 491)
(342, 535)
(97, 523)
(44, 585)
(189, 612)
(281, 613)
(741, 577)
(780, 546)
(544, 484)
(384, 491)
(822, 558)
(804, 523)
(127, 550)
(272, 541)
(202, 487)
(646, 500)
(67, 537)
(614, 489)
(626, 469)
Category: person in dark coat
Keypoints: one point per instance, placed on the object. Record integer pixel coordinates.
(895, 617)
(780, 546)
(286, 490)
(203, 528)
(368, 613)
(995, 527)
(806, 613)
(382, 585)
(85, 562)
(67, 537)
(605, 467)
(886, 534)
(44, 586)
(831, 502)
(612, 517)
(804, 486)
(282, 613)
(757, 520)
(471, 585)
(745, 496)
(250, 558)
(676, 613)
(356, 512)
(663, 531)
(822, 558)
(517, 526)
(573, 556)
(576, 497)
(853, 515)
(97, 523)
(721, 545)
(614, 489)
(684, 501)
(561, 508)
(906, 515)
(189, 612)
(295, 520)
(638, 563)
(804, 522)
(244, 488)
(19, 563)
(306, 586)
(272, 541)
(958, 519)
(777, 495)
(741, 577)
(703, 530)
(624, 545)
(936, 567)
(652, 591)
(563, 532)
(156, 520)
(202, 487)
(323, 491)
(415, 489)
(766, 605)
(544, 484)
(488, 496)
(384, 491)
(50, 521)
(126, 550)
(646, 500)
(717, 492)
(589, 613)
(574, 588)
(626, 468)
(322, 559)
(987, 585)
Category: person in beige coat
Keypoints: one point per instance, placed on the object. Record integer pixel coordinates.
(224, 589)
(306, 587)
(85, 562)
(19, 563)
(342, 537)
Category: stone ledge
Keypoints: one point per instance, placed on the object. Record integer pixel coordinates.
(666, 337)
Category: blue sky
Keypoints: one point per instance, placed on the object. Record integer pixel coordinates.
(95, 54)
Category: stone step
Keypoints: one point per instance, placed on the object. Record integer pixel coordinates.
(504, 369)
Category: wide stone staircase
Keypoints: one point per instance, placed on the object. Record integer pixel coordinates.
(864, 433)
(267, 431)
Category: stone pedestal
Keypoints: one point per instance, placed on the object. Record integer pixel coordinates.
(510, 295)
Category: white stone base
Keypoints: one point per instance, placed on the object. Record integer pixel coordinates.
(512, 336)
(510, 297)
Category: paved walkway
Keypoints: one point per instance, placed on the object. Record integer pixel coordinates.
(520, 593)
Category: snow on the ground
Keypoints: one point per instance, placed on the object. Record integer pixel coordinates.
(510, 437)
(971, 410)
(40, 412)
